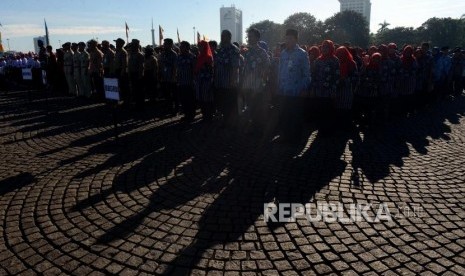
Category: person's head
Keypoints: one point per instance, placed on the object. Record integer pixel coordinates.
(213, 45)
(435, 51)
(81, 46)
(92, 44)
(292, 36)
(313, 53)
(40, 43)
(49, 48)
(105, 45)
(184, 47)
(226, 37)
(392, 49)
(425, 47)
(384, 51)
(408, 51)
(74, 46)
(418, 53)
(327, 48)
(457, 52)
(343, 54)
(135, 45)
(445, 50)
(119, 43)
(168, 43)
(253, 36)
(148, 51)
(66, 46)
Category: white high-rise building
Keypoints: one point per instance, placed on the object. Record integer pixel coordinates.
(231, 19)
(360, 6)
(36, 46)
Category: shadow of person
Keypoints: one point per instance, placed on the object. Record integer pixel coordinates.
(16, 182)
(274, 172)
(376, 150)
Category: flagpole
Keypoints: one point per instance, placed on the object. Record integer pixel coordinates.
(194, 34)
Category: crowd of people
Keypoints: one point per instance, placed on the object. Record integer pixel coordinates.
(339, 81)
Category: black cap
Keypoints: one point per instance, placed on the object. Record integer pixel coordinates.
(120, 40)
(168, 40)
(67, 44)
(135, 41)
(81, 44)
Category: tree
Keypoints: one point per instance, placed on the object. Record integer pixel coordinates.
(348, 26)
(271, 33)
(399, 35)
(383, 27)
(310, 29)
(443, 31)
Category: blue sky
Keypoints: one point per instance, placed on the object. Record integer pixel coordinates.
(81, 20)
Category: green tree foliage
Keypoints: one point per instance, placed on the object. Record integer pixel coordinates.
(310, 29)
(270, 32)
(443, 31)
(399, 35)
(348, 26)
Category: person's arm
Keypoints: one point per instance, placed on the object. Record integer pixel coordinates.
(305, 71)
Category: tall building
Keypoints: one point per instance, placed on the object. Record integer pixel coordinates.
(360, 6)
(231, 19)
(36, 46)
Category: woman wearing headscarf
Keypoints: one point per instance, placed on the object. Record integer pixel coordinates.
(203, 75)
(367, 95)
(327, 74)
(407, 78)
(313, 55)
(348, 78)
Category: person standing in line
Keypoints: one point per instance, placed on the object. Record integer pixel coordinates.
(167, 62)
(84, 74)
(68, 68)
(150, 74)
(256, 68)
(108, 59)
(77, 69)
(136, 73)
(120, 70)
(294, 80)
(185, 79)
(226, 78)
(96, 69)
(203, 74)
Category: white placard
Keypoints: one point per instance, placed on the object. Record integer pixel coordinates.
(27, 74)
(111, 89)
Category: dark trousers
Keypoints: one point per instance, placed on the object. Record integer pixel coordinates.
(97, 84)
(227, 101)
(291, 111)
(257, 106)
(187, 97)
(150, 85)
(170, 93)
(137, 91)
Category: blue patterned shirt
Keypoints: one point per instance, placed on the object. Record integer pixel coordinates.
(255, 67)
(185, 70)
(227, 61)
(294, 72)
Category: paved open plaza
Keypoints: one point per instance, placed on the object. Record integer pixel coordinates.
(188, 199)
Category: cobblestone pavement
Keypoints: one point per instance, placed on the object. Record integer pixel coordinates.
(170, 198)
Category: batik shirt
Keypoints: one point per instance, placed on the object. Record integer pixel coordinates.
(256, 64)
(227, 61)
(327, 75)
(167, 63)
(185, 70)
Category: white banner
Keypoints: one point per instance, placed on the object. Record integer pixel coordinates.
(27, 74)
(111, 89)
